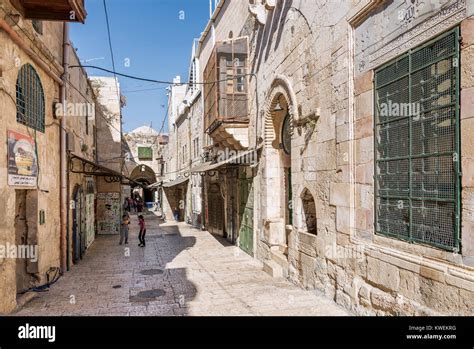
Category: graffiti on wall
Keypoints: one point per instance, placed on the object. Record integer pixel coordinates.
(90, 230)
(108, 213)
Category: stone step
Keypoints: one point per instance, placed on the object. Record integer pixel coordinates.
(273, 269)
(280, 259)
(25, 298)
(283, 249)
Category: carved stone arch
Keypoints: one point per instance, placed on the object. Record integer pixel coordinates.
(281, 86)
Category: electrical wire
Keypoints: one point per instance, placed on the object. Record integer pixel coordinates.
(110, 46)
(86, 98)
(67, 80)
(28, 36)
(49, 281)
(144, 90)
(115, 76)
(234, 77)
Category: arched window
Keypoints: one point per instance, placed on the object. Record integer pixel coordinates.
(30, 106)
(309, 212)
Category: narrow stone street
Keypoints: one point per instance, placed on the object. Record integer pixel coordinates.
(181, 271)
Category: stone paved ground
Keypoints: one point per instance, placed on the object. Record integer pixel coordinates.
(182, 271)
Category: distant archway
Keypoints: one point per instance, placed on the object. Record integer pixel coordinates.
(145, 175)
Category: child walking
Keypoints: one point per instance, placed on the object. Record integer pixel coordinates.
(124, 229)
(141, 235)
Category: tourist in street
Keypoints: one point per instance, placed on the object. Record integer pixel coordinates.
(124, 229)
(139, 206)
(134, 205)
(141, 234)
(126, 205)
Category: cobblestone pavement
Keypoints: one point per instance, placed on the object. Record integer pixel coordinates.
(181, 271)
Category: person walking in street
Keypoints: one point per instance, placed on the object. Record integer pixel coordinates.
(139, 206)
(126, 206)
(141, 235)
(124, 229)
(134, 205)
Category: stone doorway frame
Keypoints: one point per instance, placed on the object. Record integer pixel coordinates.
(273, 178)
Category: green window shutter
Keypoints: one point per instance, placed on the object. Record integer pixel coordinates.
(145, 153)
(417, 158)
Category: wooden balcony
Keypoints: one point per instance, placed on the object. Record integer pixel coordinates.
(52, 10)
(226, 93)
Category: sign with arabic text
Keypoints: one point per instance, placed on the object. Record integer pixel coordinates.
(22, 160)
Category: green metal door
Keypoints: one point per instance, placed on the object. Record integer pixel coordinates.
(246, 214)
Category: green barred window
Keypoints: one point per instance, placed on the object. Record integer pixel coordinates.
(417, 164)
(30, 107)
(145, 153)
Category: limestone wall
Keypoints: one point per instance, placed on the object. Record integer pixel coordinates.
(307, 52)
(46, 193)
(81, 126)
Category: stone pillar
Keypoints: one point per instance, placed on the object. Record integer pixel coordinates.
(273, 219)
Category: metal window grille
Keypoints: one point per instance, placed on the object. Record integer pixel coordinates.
(37, 26)
(417, 167)
(30, 106)
(145, 153)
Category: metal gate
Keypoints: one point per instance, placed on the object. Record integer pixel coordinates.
(216, 210)
(232, 205)
(417, 163)
(79, 229)
(246, 214)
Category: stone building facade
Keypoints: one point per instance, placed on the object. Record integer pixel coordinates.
(174, 188)
(81, 127)
(109, 153)
(368, 207)
(144, 159)
(31, 68)
(189, 128)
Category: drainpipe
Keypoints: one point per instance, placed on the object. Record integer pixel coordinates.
(64, 241)
(50, 70)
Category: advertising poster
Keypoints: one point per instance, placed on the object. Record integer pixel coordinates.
(22, 161)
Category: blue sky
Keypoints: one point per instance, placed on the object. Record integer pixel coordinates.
(152, 37)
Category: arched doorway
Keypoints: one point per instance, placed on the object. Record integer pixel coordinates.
(146, 176)
(277, 182)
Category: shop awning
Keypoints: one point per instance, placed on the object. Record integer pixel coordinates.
(175, 182)
(155, 185)
(243, 158)
(91, 168)
(201, 167)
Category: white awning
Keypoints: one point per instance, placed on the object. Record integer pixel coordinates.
(241, 158)
(175, 182)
